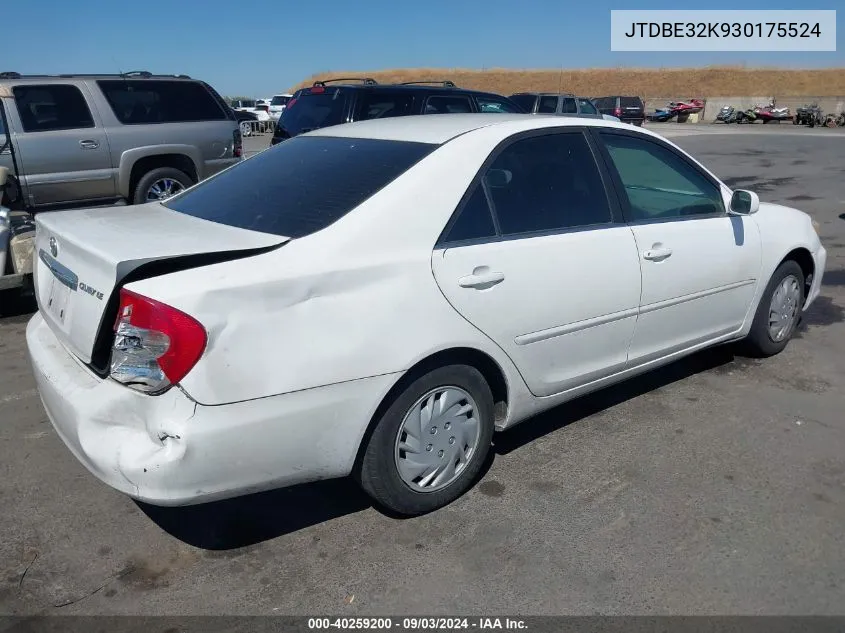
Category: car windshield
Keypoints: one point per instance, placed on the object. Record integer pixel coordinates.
(279, 100)
(300, 186)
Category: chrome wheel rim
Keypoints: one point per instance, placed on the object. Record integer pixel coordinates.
(784, 308)
(438, 437)
(246, 128)
(163, 188)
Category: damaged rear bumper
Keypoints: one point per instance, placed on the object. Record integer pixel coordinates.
(169, 450)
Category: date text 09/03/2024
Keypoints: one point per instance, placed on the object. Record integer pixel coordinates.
(417, 624)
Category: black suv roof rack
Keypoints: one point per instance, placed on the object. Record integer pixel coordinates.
(445, 83)
(367, 81)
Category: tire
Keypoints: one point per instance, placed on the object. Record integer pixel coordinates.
(151, 178)
(246, 128)
(760, 342)
(379, 473)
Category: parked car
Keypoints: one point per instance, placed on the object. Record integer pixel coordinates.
(565, 104)
(323, 105)
(95, 139)
(377, 298)
(627, 109)
(277, 105)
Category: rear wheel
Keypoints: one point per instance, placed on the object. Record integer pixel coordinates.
(431, 442)
(160, 184)
(778, 313)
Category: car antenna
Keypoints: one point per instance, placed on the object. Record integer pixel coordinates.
(560, 79)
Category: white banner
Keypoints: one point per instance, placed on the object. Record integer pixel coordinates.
(732, 31)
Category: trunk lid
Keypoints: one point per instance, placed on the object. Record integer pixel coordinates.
(82, 256)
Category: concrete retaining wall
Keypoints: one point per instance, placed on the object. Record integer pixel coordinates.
(829, 105)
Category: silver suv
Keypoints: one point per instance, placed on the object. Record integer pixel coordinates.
(86, 140)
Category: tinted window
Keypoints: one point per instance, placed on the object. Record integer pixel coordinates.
(630, 102)
(156, 101)
(243, 104)
(377, 104)
(52, 107)
(605, 103)
(279, 100)
(659, 184)
(315, 110)
(569, 106)
(526, 102)
(474, 221)
(587, 106)
(300, 186)
(548, 105)
(547, 183)
(491, 104)
(447, 105)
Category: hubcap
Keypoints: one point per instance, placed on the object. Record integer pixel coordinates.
(164, 188)
(438, 438)
(784, 308)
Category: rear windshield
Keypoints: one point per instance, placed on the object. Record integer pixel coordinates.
(630, 102)
(313, 111)
(300, 186)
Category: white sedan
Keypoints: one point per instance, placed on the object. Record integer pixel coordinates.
(377, 298)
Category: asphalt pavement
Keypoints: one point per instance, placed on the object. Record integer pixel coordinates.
(713, 486)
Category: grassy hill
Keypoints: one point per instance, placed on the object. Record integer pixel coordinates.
(713, 81)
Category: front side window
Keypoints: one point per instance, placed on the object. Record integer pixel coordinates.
(659, 185)
(148, 101)
(382, 105)
(52, 107)
(547, 183)
(447, 105)
(491, 104)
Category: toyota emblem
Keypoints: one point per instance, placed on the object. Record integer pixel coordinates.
(54, 247)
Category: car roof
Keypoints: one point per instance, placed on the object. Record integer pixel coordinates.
(134, 76)
(440, 128)
(433, 87)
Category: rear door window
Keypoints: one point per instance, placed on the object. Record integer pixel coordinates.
(160, 101)
(314, 110)
(548, 105)
(491, 104)
(300, 186)
(379, 104)
(52, 107)
(569, 106)
(446, 104)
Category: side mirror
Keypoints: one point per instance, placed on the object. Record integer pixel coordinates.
(744, 202)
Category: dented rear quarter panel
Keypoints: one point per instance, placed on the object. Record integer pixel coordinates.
(355, 300)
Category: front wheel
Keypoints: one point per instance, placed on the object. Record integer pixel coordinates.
(778, 313)
(430, 443)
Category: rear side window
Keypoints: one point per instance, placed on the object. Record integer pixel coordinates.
(548, 105)
(526, 102)
(475, 221)
(447, 105)
(569, 106)
(300, 186)
(630, 102)
(378, 104)
(314, 110)
(547, 183)
(160, 101)
(52, 107)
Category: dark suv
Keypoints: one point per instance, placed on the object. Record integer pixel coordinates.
(626, 109)
(555, 103)
(323, 105)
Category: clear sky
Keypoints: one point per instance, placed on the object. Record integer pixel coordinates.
(257, 48)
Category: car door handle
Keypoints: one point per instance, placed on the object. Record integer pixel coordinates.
(481, 279)
(89, 144)
(654, 254)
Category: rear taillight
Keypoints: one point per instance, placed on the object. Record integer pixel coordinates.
(617, 112)
(155, 345)
(290, 104)
(237, 143)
